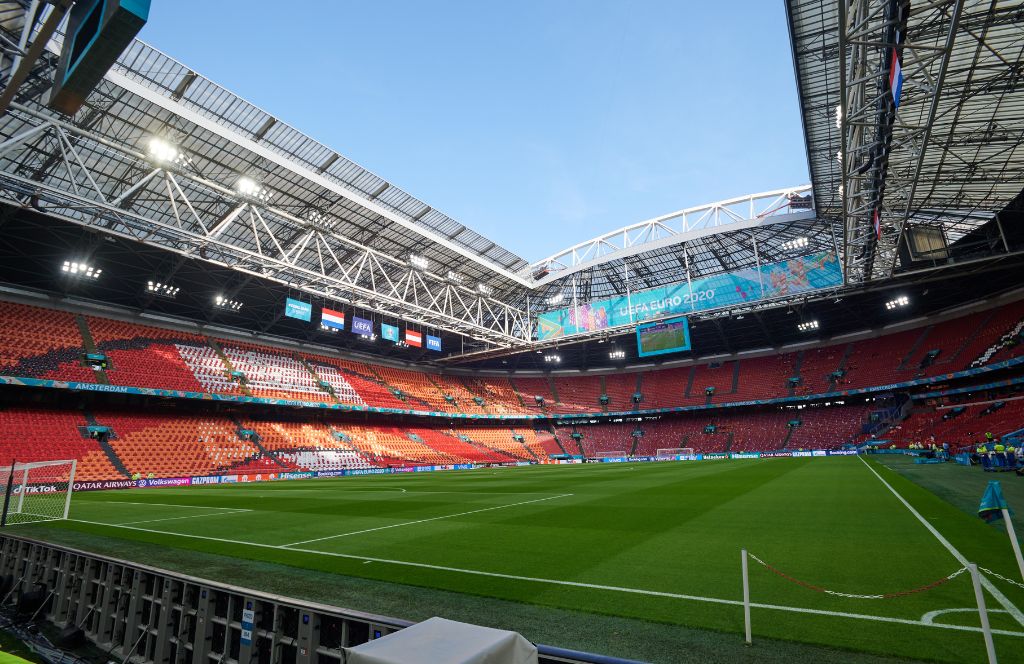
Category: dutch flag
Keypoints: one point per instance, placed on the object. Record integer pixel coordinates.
(332, 318)
(895, 78)
(414, 338)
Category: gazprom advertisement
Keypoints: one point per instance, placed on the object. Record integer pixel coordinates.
(770, 280)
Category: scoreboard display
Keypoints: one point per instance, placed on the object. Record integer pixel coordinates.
(667, 336)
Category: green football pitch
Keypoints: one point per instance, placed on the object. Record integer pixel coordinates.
(654, 543)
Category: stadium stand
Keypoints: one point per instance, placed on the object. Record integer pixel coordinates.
(144, 356)
(272, 374)
(498, 394)
(958, 424)
(40, 434)
(208, 368)
(177, 445)
(41, 343)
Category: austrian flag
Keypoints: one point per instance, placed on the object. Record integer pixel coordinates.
(414, 338)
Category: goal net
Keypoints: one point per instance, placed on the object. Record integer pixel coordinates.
(39, 491)
(673, 452)
(612, 454)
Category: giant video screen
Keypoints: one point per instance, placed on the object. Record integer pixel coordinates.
(667, 336)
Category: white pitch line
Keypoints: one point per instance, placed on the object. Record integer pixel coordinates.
(995, 592)
(128, 502)
(413, 523)
(932, 615)
(574, 584)
(190, 516)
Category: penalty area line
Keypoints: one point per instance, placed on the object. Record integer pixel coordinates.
(573, 584)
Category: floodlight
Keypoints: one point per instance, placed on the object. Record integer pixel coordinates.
(246, 186)
(556, 299)
(419, 262)
(162, 289)
(227, 303)
(80, 269)
(553, 358)
(484, 289)
(163, 152)
(795, 243)
(806, 326)
(900, 301)
(617, 354)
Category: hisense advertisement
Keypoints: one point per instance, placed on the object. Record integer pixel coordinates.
(770, 280)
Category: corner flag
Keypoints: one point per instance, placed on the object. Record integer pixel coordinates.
(992, 503)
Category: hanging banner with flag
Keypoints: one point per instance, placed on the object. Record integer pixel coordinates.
(878, 224)
(434, 343)
(992, 503)
(414, 338)
(333, 319)
(895, 78)
(298, 309)
(362, 327)
(389, 332)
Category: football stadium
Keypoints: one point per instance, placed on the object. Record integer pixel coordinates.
(260, 405)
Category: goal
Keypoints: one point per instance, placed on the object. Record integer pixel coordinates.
(673, 452)
(613, 454)
(39, 491)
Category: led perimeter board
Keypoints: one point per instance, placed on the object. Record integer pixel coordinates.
(667, 336)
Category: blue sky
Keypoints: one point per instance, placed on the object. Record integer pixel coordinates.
(537, 123)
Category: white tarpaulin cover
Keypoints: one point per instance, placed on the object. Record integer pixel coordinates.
(440, 641)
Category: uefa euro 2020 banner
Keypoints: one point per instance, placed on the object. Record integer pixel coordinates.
(770, 280)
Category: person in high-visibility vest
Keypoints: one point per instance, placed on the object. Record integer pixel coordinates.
(999, 447)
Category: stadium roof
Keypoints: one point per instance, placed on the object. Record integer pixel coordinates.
(234, 185)
(161, 156)
(948, 158)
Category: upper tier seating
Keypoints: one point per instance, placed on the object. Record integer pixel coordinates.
(272, 374)
(41, 343)
(530, 388)
(208, 368)
(360, 377)
(421, 392)
(498, 394)
(455, 388)
(578, 394)
(143, 356)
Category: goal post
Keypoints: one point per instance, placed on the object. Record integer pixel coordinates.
(611, 454)
(673, 452)
(38, 491)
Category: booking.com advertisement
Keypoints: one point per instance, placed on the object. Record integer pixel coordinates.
(797, 275)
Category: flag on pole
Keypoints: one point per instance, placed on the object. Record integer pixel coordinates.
(992, 503)
(895, 78)
(414, 338)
